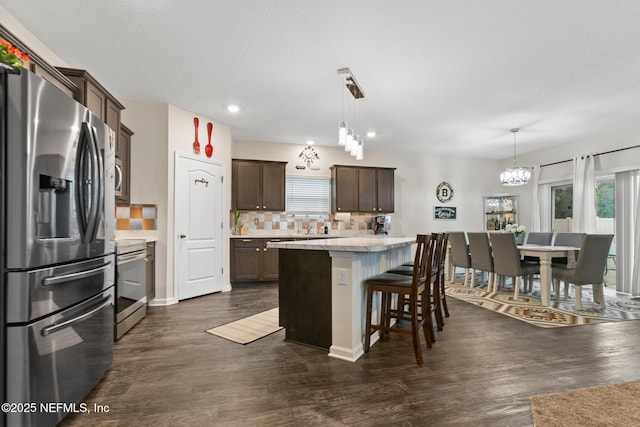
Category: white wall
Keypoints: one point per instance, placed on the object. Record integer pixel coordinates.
(181, 136)
(25, 36)
(604, 165)
(416, 179)
(160, 130)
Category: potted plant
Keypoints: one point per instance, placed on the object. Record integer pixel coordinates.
(238, 223)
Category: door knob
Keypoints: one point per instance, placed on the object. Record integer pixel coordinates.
(182, 236)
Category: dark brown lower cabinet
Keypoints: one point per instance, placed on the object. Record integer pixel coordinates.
(253, 261)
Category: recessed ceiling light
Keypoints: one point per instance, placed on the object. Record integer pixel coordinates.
(371, 134)
(233, 108)
(310, 142)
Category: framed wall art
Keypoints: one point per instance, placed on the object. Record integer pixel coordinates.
(444, 212)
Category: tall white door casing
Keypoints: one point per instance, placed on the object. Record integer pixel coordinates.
(198, 227)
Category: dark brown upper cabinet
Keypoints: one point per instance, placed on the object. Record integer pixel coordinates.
(344, 189)
(95, 97)
(362, 189)
(258, 185)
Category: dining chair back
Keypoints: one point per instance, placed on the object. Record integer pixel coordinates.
(539, 238)
(437, 280)
(569, 239)
(566, 239)
(460, 256)
(481, 257)
(589, 268)
(507, 262)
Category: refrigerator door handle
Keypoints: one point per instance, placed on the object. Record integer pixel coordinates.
(97, 186)
(54, 280)
(81, 180)
(61, 325)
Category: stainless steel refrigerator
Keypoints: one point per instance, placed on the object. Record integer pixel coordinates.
(56, 249)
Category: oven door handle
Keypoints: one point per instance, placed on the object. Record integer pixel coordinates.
(124, 258)
(94, 308)
(54, 280)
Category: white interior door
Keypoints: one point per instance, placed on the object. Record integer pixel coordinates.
(198, 226)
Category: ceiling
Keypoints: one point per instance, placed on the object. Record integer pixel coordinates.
(444, 77)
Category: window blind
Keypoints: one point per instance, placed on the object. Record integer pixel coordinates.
(308, 195)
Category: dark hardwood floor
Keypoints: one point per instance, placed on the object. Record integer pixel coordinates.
(482, 371)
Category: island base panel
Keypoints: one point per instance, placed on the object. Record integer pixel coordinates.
(305, 296)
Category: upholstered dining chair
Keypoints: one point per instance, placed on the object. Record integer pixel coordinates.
(589, 268)
(481, 257)
(460, 256)
(507, 262)
(539, 238)
(410, 290)
(542, 238)
(566, 239)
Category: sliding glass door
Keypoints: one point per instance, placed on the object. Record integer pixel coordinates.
(562, 214)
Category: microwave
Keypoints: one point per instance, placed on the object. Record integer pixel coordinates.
(118, 178)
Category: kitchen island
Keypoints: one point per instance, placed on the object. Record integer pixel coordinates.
(322, 298)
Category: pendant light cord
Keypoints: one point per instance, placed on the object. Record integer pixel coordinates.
(514, 131)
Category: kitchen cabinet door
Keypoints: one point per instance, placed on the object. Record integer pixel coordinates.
(246, 185)
(95, 100)
(270, 267)
(367, 190)
(384, 187)
(344, 189)
(246, 256)
(258, 185)
(273, 186)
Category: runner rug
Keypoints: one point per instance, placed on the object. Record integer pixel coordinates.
(609, 405)
(250, 328)
(528, 307)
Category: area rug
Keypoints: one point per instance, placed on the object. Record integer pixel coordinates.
(609, 405)
(249, 329)
(528, 307)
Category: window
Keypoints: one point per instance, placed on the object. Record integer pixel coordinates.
(605, 198)
(562, 201)
(308, 195)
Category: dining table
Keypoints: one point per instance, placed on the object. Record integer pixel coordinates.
(545, 254)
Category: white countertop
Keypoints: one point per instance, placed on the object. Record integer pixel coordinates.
(147, 235)
(286, 234)
(347, 244)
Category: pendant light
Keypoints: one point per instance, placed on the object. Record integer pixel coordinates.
(515, 176)
(348, 137)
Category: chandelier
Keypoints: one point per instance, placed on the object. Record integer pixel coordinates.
(516, 175)
(348, 138)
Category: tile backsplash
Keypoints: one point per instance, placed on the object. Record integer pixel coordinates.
(136, 217)
(255, 220)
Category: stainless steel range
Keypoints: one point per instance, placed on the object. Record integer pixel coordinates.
(131, 282)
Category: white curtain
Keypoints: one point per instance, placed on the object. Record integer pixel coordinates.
(634, 258)
(626, 233)
(584, 194)
(535, 202)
